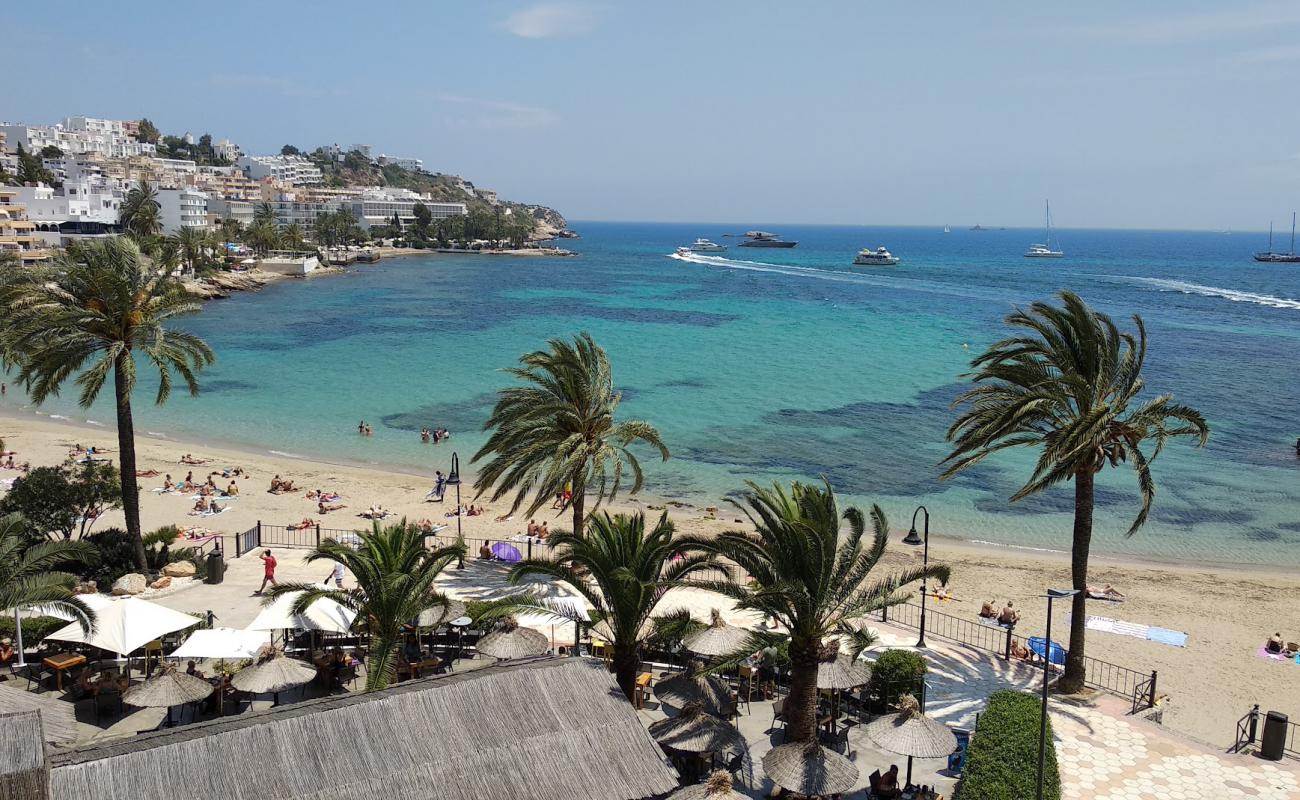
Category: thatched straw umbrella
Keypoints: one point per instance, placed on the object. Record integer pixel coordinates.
(167, 688)
(272, 674)
(719, 639)
(507, 640)
(911, 733)
(809, 769)
(717, 787)
(697, 731)
(684, 688)
(842, 672)
(440, 615)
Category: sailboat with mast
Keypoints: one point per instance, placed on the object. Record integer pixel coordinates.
(1269, 257)
(1045, 250)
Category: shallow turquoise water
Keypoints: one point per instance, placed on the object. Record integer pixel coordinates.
(775, 364)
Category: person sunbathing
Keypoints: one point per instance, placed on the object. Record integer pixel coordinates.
(1106, 592)
(10, 463)
(1275, 644)
(314, 494)
(1019, 651)
(425, 525)
(168, 484)
(189, 459)
(986, 611)
(485, 552)
(147, 473)
(232, 490)
(201, 504)
(1009, 615)
(307, 522)
(324, 508)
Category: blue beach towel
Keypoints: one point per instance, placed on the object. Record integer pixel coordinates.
(1166, 636)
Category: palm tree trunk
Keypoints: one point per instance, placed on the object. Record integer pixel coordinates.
(1072, 680)
(626, 663)
(126, 461)
(801, 705)
(577, 503)
(383, 648)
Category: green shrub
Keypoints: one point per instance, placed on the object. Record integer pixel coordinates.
(116, 557)
(1002, 762)
(895, 673)
(34, 628)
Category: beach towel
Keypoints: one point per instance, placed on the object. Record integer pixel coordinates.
(1263, 653)
(208, 513)
(161, 490)
(1136, 630)
(1166, 636)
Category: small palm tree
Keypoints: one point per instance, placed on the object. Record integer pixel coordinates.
(291, 236)
(264, 212)
(1070, 386)
(104, 307)
(809, 576)
(558, 432)
(395, 575)
(623, 572)
(263, 237)
(191, 247)
(141, 215)
(29, 576)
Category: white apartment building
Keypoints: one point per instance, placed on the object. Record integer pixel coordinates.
(182, 208)
(241, 211)
(77, 136)
(377, 207)
(226, 149)
(363, 149)
(399, 161)
(296, 170)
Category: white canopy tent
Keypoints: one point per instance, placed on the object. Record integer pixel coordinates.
(125, 625)
(224, 643)
(322, 615)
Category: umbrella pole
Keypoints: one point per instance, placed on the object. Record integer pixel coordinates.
(909, 771)
(18, 631)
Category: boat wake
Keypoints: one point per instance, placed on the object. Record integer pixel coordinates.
(1216, 291)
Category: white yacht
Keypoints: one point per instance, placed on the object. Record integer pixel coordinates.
(706, 246)
(1045, 250)
(880, 257)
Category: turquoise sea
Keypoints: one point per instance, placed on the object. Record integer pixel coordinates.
(775, 364)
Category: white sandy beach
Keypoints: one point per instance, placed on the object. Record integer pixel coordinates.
(1228, 613)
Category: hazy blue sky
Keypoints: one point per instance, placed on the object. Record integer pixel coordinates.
(1155, 114)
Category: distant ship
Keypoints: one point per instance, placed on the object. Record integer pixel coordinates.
(706, 246)
(1269, 257)
(880, 257)
(764, 239)
(978, 227)
(946, 229)
(1045, 250)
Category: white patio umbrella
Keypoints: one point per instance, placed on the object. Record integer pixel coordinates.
(125, 625)
(322, 615)
(222, 643)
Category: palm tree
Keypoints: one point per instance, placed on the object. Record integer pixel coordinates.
(623, 571)
(191, 246)
(395, 574)
(141, 215)
(263, 237)
(104, 307)
(264, 212)
(291, 236)
(810, 577)
(28, 574)
(558, 432)
(1070, 386)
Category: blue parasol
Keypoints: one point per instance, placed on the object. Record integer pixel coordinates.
(1038, 645)
(506, 552)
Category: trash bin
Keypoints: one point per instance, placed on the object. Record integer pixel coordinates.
(1274, 740)
(216, 567)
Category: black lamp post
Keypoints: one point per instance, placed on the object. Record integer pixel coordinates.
(453, 479)
(1052, 594)
(913, 539)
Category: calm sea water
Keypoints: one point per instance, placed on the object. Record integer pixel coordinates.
(776, 364)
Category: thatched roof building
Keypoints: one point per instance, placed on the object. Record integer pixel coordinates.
(58, 717)
(23, 772)
(546, 728)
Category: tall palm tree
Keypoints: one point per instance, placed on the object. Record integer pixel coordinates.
(141, 214)
(192, 247)
(29, 573)
(264, 212)
(623, 571)
(811, 577)
(291, 236)
(395, 574)
(105, 306)
(1070, 385)
(558, 431)
(263, 237)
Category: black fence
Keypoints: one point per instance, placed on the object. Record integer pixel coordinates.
(1248, 734)
(1137, 686)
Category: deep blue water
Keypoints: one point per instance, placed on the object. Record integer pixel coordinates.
(775, 364)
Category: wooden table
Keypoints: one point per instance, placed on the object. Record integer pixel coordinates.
(60, 662)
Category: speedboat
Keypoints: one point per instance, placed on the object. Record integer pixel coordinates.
(683, 251)
(880, 257)
(706, 246)
(764, 239)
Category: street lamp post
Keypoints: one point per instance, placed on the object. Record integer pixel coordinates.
(1052, 594)
(913, 539)
(453, 479)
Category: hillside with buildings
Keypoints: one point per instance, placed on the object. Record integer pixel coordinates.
(68, 181)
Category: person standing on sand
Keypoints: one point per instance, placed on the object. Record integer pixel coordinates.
(439, 485)
(336, 574)
(268, 574)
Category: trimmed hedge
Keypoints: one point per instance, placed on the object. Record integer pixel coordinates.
(34, 629)
(894, 674)
(1002, 762)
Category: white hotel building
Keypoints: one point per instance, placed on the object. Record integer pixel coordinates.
(296, 170)
(182, 208)
(377, 207)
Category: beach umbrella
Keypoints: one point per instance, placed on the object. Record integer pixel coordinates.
(717, 787)
(842, 672)
(58, 717)
(167, 688)
(1040, 646)
(125, 625)
(684, 688)
(719, 639)
(221, 643)
(323, 615)
(506, 552)
(272, 674)
(508, 640)
(697, 731)
(911, 733)
(440, 615)
(809, 769)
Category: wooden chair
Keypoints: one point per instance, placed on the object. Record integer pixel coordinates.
(748, 685)
(778, 713)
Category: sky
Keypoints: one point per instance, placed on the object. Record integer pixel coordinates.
(1133, 115)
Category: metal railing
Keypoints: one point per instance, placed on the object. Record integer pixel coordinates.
(1134, 685)
(1248, 734)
